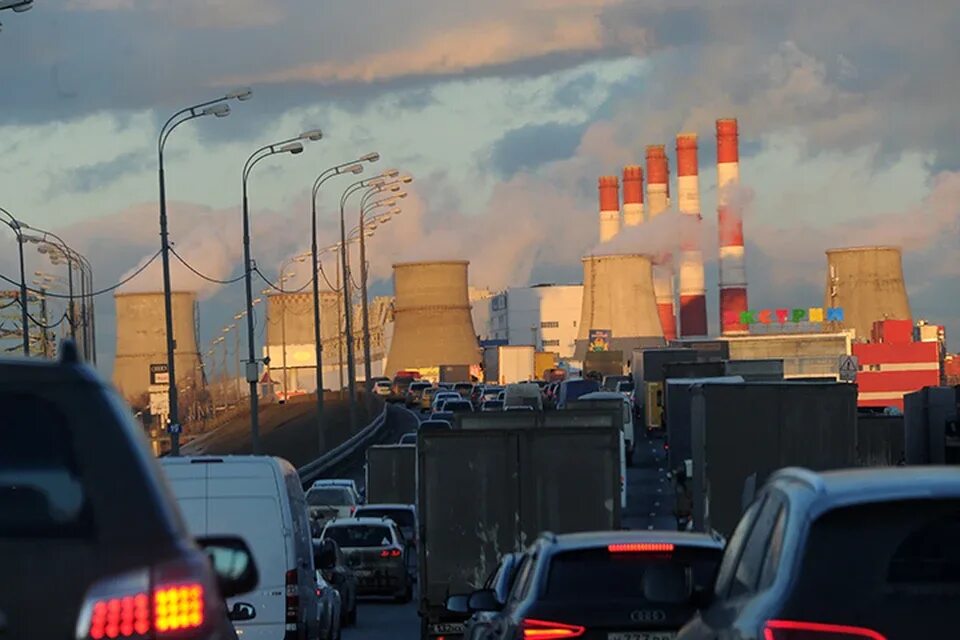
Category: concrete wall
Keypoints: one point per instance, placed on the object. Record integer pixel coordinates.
(811, 355)
(867, 283)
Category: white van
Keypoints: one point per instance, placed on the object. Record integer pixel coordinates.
(260, 499)
(517, 394)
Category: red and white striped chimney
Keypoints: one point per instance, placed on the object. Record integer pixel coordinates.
(609, 188)
(632, 195)
(733, 273)
(693, 293)
(658, 199)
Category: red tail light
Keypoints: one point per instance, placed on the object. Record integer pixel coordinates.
(641, 547)
(546, 630)
(293, 597)
(390, 553)
(795, 630)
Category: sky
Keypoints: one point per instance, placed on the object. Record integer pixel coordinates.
(505, 112)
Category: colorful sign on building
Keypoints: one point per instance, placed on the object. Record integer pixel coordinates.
(599, 340)
(796, 315)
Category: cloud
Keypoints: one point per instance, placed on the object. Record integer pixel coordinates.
(195, 14)
(529, 147)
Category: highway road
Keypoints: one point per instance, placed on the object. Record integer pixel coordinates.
(649, 506)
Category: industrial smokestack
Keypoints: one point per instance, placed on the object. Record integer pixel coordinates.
(432, 322)
(658, 199)
(867, 283)
(632, 195)
(733, 273)
(609, 189)
(693, 294)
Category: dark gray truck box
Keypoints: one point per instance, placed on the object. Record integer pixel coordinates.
(391, 474)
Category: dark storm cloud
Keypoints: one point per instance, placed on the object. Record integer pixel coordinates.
(102, 174)
(529, 147)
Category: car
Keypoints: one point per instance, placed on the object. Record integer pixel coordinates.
(499, 582)
(477, 394)
(408, 438)
(465, 389)
(326, 502)
(329, 560)
(404, 515)
(87, 519)
(415, 391)
(442, 421)
(492, 405)
(854, 554)
(490, 393)
(573, 388)
(426, 397)
(626, 387)
(328, 606)
(501, 395)
(259, 498)
(523, 394)
(605, 585)
(399, 386)
(456, 406)
(340, 482)
(376, 550)
(442, 396)
(610, 382)
(382, 388)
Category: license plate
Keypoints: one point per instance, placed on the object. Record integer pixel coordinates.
(642, 635)
(446, 627)
(363, 573)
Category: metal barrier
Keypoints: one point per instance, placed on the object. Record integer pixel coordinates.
(333, 458)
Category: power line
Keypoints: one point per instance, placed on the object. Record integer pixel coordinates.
(95, 293)
(197, 273)
(278, 289)
(16, 300)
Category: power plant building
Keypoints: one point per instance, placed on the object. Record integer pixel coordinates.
(543, 315)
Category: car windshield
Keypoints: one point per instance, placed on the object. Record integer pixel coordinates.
(638, 577)
(330, 496)
(457, 406)
(403, 517)
(352, 536)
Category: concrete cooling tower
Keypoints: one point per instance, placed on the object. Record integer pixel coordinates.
(618, 296)
(142, 341)
(867, 283)
(432, 322)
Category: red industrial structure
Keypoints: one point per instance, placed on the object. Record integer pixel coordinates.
(658, 201)
(608, 188)
(894, 363)
(632, 195)
(693, 293)
(733, 273)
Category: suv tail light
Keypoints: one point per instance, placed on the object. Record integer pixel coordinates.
(390, 553)
(796, 630)
(168, 600)
(293, 598)
(546, 630)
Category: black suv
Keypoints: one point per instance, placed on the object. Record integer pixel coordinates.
(866, 554)
(610, 585)
(91, 541)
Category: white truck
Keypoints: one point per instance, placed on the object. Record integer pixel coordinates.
(516, 363)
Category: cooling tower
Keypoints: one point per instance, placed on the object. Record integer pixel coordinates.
(609, 192)
(693, 293)
(867, 283)
(142, 341)
(733, 273)
(632, 195)
(432, 322)
(618, 296)
(658, 199)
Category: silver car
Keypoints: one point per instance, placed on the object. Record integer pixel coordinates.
(376, 551)
(327, 609)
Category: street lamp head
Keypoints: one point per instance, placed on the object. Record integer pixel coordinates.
(370, 157)
(354, 169)
(313, 135)
(390, 173)
(243, 94)
(402, 194)
(395, 188)
(292, 148)
(395, 212)
(406, 179)
(219, 110)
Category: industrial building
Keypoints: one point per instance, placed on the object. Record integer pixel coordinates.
(898, 360)
(543, 315)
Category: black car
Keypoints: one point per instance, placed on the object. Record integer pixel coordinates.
(499, 582)
(610, 585)
(865, 554)
(90, 535)
(331, 562)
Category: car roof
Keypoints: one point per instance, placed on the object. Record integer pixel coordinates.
(41, 370)
(594, 539)
(344, 522)
(387, 505)
(602, 395)
(832, 489)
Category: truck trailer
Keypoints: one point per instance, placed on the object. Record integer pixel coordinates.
(391, 474)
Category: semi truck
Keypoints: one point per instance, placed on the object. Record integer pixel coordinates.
(391, 474)
(486, 491)
(515, 363)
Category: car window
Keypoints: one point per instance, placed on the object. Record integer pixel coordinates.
(41, 485)
(330, 496)
(734, 546)
(771, 563)
(360, 535)
(403, 517)
(747, 575)
(519, 589)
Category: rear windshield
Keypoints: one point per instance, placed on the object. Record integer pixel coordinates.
(625, 386)
(463, 386)
(419, 386)
(41, 491)
(575, 389)
(493, 404)
(639, 577)
(360, 535)
(403, 517)
(332, 496)
(408, 438)
(895, 564)
(457, 406)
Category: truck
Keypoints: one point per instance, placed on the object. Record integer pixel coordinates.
(391, 474)
(741, 433)
(648, 376)
(544, 362)
(455, 373)
(768, 370)
(484, 492)
(515, 363)
(605, 363)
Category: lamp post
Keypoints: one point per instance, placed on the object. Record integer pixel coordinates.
(354, 168)
(220, 109)
(17, 227)
(292, 146)
(60, 253)
(284, 276)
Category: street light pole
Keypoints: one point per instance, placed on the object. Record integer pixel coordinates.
(220, 109)
(17, 227)
(292, 146)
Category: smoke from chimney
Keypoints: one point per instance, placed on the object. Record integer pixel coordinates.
(658, 199)
(632, 195)
(693, 299)
(609, 191)
(733, 275)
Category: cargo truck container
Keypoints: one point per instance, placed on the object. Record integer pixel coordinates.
(755, 370)
(486, 492)
(932, 425)
(391, 474)
(515, 363)
(648, 376)
(741, 433)
(880, 440)
(454, 373)
(676, 418)
(544, 362)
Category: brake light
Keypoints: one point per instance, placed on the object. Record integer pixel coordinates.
(179, 607)
(641, 547)
(293, 597)
(390, 553)
(546, 630)
(796, 630)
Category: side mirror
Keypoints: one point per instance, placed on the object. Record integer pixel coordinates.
(242, 612)
(484, 600)
(458, 604)
(233, 564)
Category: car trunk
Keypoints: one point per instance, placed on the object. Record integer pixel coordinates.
(607, 616)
